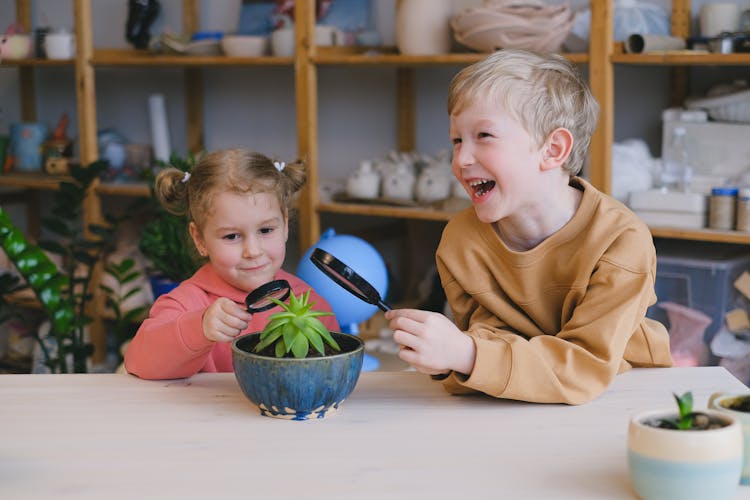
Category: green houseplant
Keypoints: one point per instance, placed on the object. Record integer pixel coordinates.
(64, 293)
(296, 369)
(164, 238)
(685, 454)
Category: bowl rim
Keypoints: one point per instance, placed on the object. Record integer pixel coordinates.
(356, 338)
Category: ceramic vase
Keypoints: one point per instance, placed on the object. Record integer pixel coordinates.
(423, 27)
(670, 464)
(297, 388)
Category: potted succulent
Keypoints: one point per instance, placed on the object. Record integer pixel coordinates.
(738, 406)
(685, 454)
(164, 238)
(295, 368)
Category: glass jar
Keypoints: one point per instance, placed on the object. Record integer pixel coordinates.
(722, 208)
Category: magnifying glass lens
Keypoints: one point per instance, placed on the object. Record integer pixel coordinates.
(260, 299)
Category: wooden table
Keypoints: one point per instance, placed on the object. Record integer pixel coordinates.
(399, 436)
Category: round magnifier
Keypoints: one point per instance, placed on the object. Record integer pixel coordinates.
(347, 278)
(260, 299)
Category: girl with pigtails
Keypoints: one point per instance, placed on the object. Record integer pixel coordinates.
(237, 203)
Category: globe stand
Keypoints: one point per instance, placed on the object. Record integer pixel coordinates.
(369, 362)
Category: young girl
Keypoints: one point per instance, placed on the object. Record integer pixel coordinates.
(237, 203)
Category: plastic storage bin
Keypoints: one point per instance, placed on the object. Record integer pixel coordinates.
(702, 278)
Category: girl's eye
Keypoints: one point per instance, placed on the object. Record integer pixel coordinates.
(456, 141)
(232, 236)
(266, 230)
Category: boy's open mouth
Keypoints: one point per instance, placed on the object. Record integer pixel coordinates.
(481, 187)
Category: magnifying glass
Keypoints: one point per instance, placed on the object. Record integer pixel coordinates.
(260, 299)
(347, 278)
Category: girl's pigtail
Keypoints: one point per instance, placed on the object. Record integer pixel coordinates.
(171, 188)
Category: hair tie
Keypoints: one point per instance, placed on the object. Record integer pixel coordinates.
(279, 165)
(185, 177)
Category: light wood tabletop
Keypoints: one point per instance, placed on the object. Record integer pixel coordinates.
(398, 436)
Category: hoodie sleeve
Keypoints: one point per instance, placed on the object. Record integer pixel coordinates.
(170, 342)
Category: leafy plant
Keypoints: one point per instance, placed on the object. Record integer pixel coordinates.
(124, 273)
(296, 329)
(63, 293)
(687, 419)
(164, 239)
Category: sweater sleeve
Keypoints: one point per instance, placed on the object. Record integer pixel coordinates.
(169, 343)
(573, 366)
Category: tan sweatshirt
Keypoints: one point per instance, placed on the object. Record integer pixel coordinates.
(556, 323)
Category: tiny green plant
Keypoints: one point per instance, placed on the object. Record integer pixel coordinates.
(296, 329)
(685, 407)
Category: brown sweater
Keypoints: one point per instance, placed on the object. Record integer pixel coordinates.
(556, 323)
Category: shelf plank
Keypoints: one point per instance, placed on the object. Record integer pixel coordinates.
(372, 210)
(710, 235)
(682, 58)
(133, 189)
(132, 57)
(380, 57)
(36, 62)
(32, 181)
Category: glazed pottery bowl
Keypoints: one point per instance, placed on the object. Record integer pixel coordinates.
(736, 405)
(244, 45)
(669, 464)
(298, 389)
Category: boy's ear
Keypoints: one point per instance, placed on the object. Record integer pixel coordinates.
(557, 148)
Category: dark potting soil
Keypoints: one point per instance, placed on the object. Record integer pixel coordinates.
(701, 422)
(740, 404)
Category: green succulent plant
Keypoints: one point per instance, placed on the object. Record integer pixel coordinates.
(296, 330)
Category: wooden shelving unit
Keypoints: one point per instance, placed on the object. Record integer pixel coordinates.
(601, 59)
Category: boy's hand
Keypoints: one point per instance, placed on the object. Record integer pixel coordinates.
(430, 342)
(224, 320)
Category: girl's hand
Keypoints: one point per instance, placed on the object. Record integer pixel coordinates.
(224, 320)
(430, 342)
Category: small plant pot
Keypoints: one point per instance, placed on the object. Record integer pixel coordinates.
(297, 389)
(738, 406)
(669, 464)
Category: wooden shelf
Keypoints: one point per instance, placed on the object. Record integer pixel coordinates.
(134, 189)
(386, 211)
(131, 57)
(36, 62)
(682, 58)
(385, 57)
(710, 235)
(32, 181)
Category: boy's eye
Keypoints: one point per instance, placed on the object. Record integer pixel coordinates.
(482, 135)
(231, 236)
(456, 141)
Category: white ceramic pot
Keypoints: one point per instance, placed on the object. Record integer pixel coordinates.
(423, 27)
(364, 183)
(61, 45)
(282, 42)
(667, 464)
(432, 185)
(399, 183)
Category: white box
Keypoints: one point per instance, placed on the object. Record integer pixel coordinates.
(668, 201)
(717, 149)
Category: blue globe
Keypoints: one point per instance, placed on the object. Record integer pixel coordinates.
(359, 255)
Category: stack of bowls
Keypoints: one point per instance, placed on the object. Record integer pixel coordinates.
(502, 24)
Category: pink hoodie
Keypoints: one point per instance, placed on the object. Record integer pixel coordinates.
(170, 342)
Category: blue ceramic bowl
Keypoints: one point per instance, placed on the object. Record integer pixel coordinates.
(297, 389)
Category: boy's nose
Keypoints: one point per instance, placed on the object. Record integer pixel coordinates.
(463, 156)
(251, 248)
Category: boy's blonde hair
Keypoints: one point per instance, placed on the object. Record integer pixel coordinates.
(542, 92)
(231, 170)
